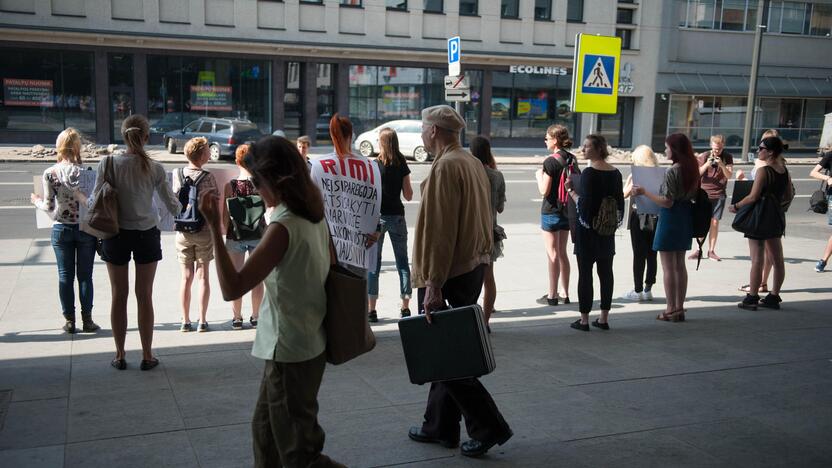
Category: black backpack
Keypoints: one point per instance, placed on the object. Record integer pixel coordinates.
(189, 218)
(701, 213)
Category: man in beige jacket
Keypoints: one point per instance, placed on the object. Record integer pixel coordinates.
(452, 245)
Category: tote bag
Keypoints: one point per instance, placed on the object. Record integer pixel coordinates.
(762, 220)
(102, 217)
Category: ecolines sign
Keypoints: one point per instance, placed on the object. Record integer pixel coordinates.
(535, 70)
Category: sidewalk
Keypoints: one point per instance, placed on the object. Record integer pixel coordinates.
(726, 388)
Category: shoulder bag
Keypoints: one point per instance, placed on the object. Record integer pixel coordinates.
(764, 219)
(102, 217)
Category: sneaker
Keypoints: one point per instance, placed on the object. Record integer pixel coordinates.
(647, 295)
(694, 255)
(772, 301)
(186, 327)
(545, 300)
(405, 312)
(90, 326)
(633, 296)
(203, 327)
(253, 322)
(69, 326)
(237, 324)
(372, 316)
(820, 265)
(749, 303)
(577, 325)
(713, 256)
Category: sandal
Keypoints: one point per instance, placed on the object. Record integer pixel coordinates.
(665, 317)
(148, 364)
(119, 364)
(747, 288)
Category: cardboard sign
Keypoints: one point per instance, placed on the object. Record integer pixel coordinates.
(651, 178)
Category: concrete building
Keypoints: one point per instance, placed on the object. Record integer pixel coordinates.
(290, 64)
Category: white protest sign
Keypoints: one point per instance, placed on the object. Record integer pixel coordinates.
(351, 188)
(651, 179)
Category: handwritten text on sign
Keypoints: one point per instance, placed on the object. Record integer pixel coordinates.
(351, 188)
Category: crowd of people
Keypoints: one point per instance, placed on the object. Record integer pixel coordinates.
(275, 229)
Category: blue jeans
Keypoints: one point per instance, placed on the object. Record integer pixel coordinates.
(396, 226)
(75, 254)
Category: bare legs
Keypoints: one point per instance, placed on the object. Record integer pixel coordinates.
(489, 293)
(713, 233)
(675, 281)
(238, 259)
(144, 298)
(120, 287)
(558, 261)
(828, 251)
(756, 250)
(774, 252)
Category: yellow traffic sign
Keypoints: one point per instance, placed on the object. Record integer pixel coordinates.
(595, 74)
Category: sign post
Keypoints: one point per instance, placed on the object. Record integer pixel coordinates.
(595, 75)
(457, 88)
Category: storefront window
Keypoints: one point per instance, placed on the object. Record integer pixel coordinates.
(617, 128)
(45, 90)
(326, 100)
(181, 89)
(524, 105)
(120, 68)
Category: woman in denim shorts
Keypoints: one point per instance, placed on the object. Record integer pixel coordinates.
(237, 249)
(822, 171)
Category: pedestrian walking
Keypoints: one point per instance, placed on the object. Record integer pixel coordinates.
(451, 248)
(600, 202)
(773, 189)
(825, 165)
(675, 226)
(293, 260)
(136, 177)
(481, 149)
(715, 168)
(554, 212)
(74, 249)
(642, 227)
(395, 183)
(242, 235)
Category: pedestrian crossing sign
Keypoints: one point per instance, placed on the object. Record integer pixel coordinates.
(595, 74)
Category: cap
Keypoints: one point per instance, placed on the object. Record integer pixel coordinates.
(444, 117)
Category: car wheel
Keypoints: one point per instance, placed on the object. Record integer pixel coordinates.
(215, 152)
(420, 154)
(365, 148)
(171, 146)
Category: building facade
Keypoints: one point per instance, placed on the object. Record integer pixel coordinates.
(291, 64)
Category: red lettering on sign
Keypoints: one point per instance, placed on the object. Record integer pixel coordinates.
(328, 165)
(357, 169)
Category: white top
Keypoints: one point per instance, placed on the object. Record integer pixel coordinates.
(135, 187)
(59, 184)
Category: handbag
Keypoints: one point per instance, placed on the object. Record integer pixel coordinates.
(348, 333)
(762, 220)
(102, 217)
(818, 202)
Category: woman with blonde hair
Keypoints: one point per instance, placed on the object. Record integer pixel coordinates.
(74, 248)
(642, 228)
(136, 178)
(395, 183)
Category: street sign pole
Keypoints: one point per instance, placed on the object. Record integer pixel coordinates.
(454, 69)
(762, 9)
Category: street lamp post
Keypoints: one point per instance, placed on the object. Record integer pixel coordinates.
(762, 15)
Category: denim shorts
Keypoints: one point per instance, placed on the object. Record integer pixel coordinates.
(241, 246)
(145, 247)
(718, 207)
(554, 222)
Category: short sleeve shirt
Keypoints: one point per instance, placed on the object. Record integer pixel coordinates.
(826, 163)
(392, 179)
(673, 185)
(554, 167)
(714, 181)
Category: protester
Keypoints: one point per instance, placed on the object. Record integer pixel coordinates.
(825, 164)
(554, 218)
(237, 248)
(136, 177)
(194, 248)
(395, 183)
(772, 178)
(642, 228)
(450, 251)
(481, 149)
(715, 168)
(74, 248)
(675, 227)
(303, 143)
(600, 202)
(293, 259)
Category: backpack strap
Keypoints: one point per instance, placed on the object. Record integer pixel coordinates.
(180, 176)
(199, 178)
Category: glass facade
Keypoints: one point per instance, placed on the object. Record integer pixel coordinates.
(47, 90)
(326, 101)
(806, 18)
(799, 121)
(181, 89)
(524, 105)
(617, 128)
(120, 69)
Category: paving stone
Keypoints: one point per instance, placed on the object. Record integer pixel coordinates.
(34, 423)
(168, 449)
(37, 457)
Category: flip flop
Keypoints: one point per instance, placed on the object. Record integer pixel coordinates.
(148, 364)
(119, 364)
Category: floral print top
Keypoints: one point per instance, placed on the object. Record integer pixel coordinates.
(59, 185)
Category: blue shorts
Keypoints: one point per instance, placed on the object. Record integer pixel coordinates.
(554, 222)
(241, 246)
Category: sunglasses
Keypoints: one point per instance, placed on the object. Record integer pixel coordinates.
(762, 148)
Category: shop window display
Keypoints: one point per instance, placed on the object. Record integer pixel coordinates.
(524, 105)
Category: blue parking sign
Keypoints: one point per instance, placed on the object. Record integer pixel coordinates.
(454, 56)
(598, 74)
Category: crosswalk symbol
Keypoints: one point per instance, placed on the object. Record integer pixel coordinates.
(596, 74)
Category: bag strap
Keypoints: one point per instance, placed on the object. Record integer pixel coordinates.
(180, 175)
(199, 178)
(109, 171)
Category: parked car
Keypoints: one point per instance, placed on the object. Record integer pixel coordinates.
(172, 121)
(224, 135)
(410, 139)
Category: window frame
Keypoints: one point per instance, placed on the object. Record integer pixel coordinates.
(396, 8)
(571, 16)
(441, 9)
(360, 4)
(476, 8)
(548, 16)
(516, 5)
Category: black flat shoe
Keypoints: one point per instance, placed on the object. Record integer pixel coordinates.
(566, 300)
(417, 435)
(119, 364)
(148, 364)
(476, 448)
(577, 325)
(602, 326)
(772, 301)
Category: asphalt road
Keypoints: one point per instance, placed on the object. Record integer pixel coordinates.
(522, 207)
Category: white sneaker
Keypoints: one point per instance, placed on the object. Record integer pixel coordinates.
(647, 296)
(633, 296)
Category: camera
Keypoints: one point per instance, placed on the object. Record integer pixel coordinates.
(714, 162)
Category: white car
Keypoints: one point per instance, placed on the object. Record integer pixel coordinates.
(410, 139)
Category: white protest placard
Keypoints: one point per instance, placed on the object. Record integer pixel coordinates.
(351, 188)
(86, 182)
(651, 179)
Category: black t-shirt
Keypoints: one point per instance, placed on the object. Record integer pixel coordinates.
(826, 163)
(553, 167)
(392, 177)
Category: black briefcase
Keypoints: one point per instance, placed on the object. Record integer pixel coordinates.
(455, 346)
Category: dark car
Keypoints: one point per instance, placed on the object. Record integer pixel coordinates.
(224, 135)
(172, 121)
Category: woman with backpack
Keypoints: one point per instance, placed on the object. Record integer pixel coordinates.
(674, 230)
(823, 172)
(481, 149)
(293, 259)
(554, 213)
(642, 227)
(599, 198)
(772, 180)
(395, 183)
(74, 248)
(136, 178)
(242, 238)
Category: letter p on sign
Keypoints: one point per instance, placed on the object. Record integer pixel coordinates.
(454, 56)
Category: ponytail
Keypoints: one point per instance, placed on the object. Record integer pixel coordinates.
(135, 130)
(340, 130)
